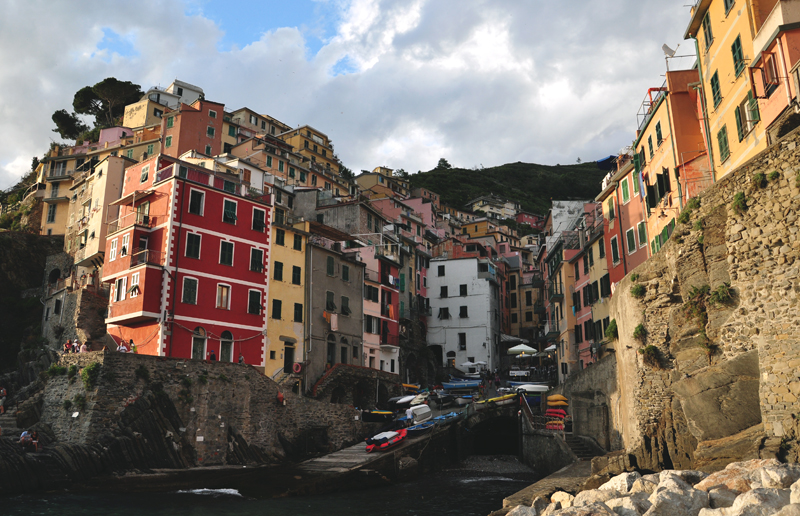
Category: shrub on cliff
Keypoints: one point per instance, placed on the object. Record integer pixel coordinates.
(638, 291)
(56, 370)
(651, 356)
(722, 295)
(90, 374)
(639, 333)
(612, 332)
(739, 204)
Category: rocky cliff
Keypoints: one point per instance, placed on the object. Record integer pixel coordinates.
(715, 375)
(111, 413)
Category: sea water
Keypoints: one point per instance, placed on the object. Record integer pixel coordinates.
(475, 487)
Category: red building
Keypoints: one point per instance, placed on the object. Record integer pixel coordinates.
(533, 220)
(196, 127)
(187, 263)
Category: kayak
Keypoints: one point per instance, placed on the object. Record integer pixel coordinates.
(500, 400)
(386, 440)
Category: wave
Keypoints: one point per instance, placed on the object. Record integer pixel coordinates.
(484, 479)
(212, 492)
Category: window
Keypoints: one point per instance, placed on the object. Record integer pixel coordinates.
(259, 220)
(231, 130)
(746, 115)
(193, 245)
(528, 298)
(125, 245)
(196, 202)
(121, 289)
(226, 253)
(168, 142)
(298, 312)
(276, 309)
(329, 302)
(369, 221)
(56, 308)
(650, 145)
(150, 150)
(51, 213)
(626, 195)
(278, 196)
(722, 141)
(659, 137)
(298, 243)
(229, 212)
(443, 291)
(256, 260)
(642, 227)
(708, 36)
(170, 121)
(280, 236)
(346, 305)
(182, 171)
(528, 316)
(444, 313)
(605, 284)
(601, 248)
(112, 254)
(728, 5)
(462, 290)
(463, 313)
(212, 113)
(738, 55)
(586, 263)
(210, 131)
(611, 211)
(715, 91)
(129, 153)
(280, 216)
(578, 333)
(145, 173)
(514, 319)
(223, 296)
(296, 272)
(254, 302)
(277, 271)
(280, 166)
(189, 291)
(631, 238)
(345, 273)
(291, 171)
(371, 293)
(313, 180)
(462, 341)
(302, 177)
(614, 250)
(441, 270)
(208, 150)
(269, 161)
(330, 266)
(229, 186)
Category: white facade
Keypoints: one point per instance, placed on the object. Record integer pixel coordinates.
(473, 338)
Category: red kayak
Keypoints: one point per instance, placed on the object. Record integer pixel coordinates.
(386, 440)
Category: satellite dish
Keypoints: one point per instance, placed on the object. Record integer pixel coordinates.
(668, 51)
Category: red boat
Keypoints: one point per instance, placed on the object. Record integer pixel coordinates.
(385, 440)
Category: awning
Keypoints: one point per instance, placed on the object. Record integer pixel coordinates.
(510, 339)
(550, 348)
(128, 199)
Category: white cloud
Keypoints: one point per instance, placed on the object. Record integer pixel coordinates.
(401, 83)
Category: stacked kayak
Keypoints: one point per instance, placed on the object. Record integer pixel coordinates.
(556, 412)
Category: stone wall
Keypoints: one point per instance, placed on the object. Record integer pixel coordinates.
(726, 385)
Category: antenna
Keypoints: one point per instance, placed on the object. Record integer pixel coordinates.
(668, 51)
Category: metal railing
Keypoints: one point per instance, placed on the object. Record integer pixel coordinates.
(130, 219)
(146, 257)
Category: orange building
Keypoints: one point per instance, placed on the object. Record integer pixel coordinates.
(196, 127)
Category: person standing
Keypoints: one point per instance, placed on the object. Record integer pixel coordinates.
(84, 348)
(212, 356)
(68, 346)
(410, 416)
(3, 395)
(241, 358)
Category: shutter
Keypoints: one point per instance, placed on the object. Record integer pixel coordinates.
(753, 114)
(636, 163)
(665, 178)
(246, 175)
(402, 282)
(651, 196)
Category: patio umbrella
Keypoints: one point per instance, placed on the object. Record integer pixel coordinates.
(524, 355)
(520, 348)
(550, 348)
(480, 362)
(467, 364)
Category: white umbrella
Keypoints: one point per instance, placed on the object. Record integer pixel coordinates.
(480, 362)
(523, 355)
(520, 348)
(467, 364)
(550, 348)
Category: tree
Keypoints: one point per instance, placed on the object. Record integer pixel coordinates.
(345, 172)
(34, 163)
(106, 100)
(402, 174)
(68, 125)
(443, 163)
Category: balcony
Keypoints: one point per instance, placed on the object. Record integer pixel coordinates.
(141, 257)
(539, 307)
(551, 329)
(59, 175)
(371, 275)
(132, 219)
(785, 12)
(52, 199)
(389, 341)
(555, 290)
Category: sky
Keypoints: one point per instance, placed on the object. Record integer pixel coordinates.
(396, 83)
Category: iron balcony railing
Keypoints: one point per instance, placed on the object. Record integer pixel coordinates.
(555, 290)
(146, 257)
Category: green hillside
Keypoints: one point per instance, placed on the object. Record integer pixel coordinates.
(531, 184)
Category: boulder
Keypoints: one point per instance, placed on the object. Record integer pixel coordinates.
(674, 496)
(621, 483)
(735, 476)
(690, 476)
(758, 502)
(721, 497)
(595, 509)
(522, 510)
(643, 486)
(565, 499)
(594, 496)
(623, 507)
(789, 510)
(776, 476)
(540, 503)
(795, 495)
(551, 509)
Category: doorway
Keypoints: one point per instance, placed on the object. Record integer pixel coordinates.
(288, 359)
(199, 344)
(226, 347)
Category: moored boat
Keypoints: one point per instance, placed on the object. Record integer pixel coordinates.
(445, 419)
(517, 384)
(377, 416)
(466, 384)
(464, 400)
(417, 430)
(508, 399)
(386, 440)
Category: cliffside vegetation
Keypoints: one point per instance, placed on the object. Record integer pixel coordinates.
(531, 184)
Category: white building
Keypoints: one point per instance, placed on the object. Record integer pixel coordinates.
(465, 311)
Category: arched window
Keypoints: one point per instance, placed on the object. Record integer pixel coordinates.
(226, 347)
(199, 343)
(331, 350)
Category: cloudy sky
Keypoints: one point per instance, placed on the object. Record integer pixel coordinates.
(398, 83)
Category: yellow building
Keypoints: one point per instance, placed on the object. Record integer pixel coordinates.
(723, 33)
(57, 171)
(314, 145)
(143, 113)
(287, 285)
(483, 227)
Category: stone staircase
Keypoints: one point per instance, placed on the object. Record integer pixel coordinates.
(580, 448)
(8, 422)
